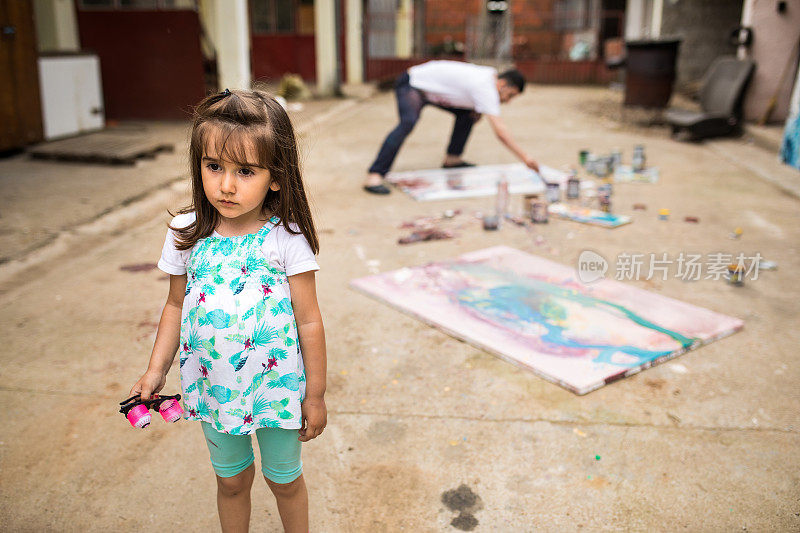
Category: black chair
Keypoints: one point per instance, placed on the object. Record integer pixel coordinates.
(721, 98)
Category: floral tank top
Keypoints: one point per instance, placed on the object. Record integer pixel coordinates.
(240, 361)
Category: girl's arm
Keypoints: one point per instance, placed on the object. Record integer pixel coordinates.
(311, 336)
(167, 340)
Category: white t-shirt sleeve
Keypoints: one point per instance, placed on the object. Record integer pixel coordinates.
(289, 252)
(173, 261)
(486, 99)
(297, 254)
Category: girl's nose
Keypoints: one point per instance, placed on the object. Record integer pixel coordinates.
(228, 183)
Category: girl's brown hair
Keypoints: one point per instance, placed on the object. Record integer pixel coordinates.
(231, 122)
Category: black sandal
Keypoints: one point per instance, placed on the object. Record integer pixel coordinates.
(377, 189)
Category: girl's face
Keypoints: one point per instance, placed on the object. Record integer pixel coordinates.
(236, 190)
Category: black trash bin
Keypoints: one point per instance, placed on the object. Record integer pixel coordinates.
(650, 72)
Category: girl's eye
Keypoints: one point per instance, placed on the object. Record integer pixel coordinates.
(213, 167)
(246, 172)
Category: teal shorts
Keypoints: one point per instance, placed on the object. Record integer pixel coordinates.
(280, 452)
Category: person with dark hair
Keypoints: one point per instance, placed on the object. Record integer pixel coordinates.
(242, 309)
(467, 91)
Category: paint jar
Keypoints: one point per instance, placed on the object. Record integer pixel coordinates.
(663, 214)
(639, 159)
(553, 192)
(736, 275)
(582, 156)
(502, 197)
(605, 188)
(539, 213)
(573, 186)
(491, 222)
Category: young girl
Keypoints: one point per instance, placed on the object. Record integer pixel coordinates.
(242, 307)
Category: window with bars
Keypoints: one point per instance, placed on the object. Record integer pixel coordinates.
(571, 15)
(270, 17)
(133, 5)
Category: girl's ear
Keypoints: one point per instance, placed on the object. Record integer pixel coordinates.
(274, 185)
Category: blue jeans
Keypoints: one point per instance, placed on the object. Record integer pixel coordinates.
(410, 102)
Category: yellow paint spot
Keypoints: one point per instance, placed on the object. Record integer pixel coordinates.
(343, 372)
(453, 443)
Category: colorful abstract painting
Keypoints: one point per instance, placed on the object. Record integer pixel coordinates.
(588, 216)
(451, 183)
(535, 313)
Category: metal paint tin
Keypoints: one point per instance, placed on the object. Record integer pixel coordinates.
(573, 186)
(539, 213)
(553, 192)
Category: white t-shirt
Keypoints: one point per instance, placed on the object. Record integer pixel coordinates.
(285, 251)
(457, 84)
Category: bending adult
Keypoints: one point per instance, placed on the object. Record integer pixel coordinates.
(467, 91)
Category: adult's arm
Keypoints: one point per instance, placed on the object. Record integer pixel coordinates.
(504, 135)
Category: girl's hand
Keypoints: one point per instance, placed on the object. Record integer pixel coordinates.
(149, 384)
(315, 418)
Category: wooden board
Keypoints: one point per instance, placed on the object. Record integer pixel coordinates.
(104, 147)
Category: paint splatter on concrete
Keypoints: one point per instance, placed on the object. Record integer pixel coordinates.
(465, 502)
(140, 267)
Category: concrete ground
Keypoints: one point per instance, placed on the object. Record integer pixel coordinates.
(425, 433)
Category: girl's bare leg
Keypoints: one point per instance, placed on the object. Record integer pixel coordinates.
(292, 501)
(233, 500)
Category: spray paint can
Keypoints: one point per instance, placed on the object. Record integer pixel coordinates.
(553, 192)
(502, 197)
(539, 213)
(639, 159)
(582, 156)
(601, 167)
(591, 163)
(663, 214)
(573, 185)
(604, 189)
(604, 197)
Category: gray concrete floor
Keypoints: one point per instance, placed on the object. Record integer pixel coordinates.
(709, 445)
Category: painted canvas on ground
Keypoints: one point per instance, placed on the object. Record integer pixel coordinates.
(587, 216)
(535, 313)
(450, 183)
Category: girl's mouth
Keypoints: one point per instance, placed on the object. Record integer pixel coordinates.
(227, 202)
